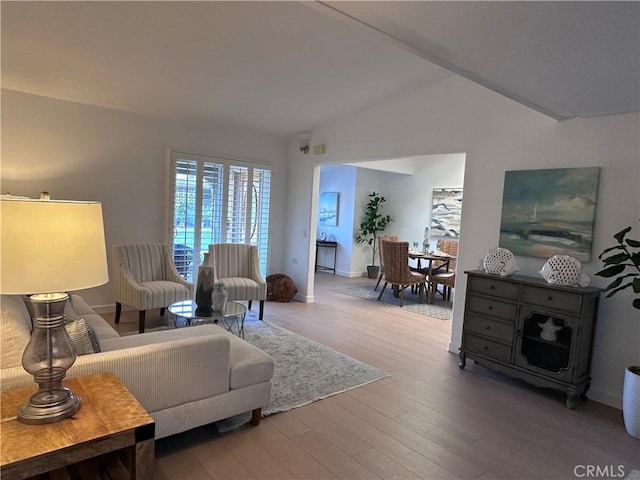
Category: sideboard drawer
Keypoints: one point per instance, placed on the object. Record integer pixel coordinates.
(489, 328)
(497, 288)
(555, 299)
(488, 348)
(492, 307)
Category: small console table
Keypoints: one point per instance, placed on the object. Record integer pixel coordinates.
(326, 244)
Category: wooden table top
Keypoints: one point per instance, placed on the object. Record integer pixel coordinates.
(431, 256)
(107, 409)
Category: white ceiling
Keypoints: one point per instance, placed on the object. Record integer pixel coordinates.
(286, 67)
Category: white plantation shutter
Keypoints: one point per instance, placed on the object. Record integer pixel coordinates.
(259, 235)
(211, 206)
(237, 201)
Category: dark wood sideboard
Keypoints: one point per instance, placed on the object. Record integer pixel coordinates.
(502, 330)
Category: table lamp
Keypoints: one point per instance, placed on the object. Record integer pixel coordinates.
(50, 246)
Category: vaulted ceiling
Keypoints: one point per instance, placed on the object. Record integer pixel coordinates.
(286, 67)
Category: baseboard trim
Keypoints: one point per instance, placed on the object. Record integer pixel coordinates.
(304, 298)
(601, 396)
(108, 308)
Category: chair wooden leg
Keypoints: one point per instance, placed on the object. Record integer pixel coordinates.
(256, 415)
(141, 317)
(162, 311)
(249, 304)
(118, 312)
(261, 309)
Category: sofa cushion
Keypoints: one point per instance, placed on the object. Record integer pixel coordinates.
(99, 325)
(247, 363)
(15, 330)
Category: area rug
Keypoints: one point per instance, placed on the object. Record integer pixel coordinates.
(304, 371)
(633, 475)
(440, 309)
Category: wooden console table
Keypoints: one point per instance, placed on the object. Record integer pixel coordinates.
(325, 244)
(110, 420)
(504, 319)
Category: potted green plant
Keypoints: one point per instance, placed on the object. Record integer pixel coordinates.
(622, 263)
(373, 222)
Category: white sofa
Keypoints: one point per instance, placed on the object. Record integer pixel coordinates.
(184, 377)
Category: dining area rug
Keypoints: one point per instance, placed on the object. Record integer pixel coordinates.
(440, 309)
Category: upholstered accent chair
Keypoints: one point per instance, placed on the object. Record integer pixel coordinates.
(397, 271)
(388, 238)
(446, 278)
(146, 278)
(237, 267)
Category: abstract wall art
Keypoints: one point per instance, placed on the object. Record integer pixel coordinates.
(445, 212)
(328, 209)
(549, 212)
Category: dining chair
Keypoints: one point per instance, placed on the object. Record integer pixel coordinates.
(397, 271)
(446, 278)
(388, 238)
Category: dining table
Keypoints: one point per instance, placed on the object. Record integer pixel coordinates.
(430, 258)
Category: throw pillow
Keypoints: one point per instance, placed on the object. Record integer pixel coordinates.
(83, 337)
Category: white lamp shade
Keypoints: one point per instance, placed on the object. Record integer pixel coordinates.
(51, 246)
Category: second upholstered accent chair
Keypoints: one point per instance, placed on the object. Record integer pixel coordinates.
(237, 267)
(397, 271)
(146, 278)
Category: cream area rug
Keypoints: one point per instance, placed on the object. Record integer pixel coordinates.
(304, 371)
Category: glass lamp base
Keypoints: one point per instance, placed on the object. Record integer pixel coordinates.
(49, 407)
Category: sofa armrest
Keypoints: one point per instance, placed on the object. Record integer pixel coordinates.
(160, 375)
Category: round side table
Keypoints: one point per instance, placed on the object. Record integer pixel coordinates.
(232, 318)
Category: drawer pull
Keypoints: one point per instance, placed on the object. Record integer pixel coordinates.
(486, 348)
(488, 327)
(492, 287)
(490, 307)
(549, 298)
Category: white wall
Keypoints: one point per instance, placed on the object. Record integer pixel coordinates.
(370, 181)
(340, 179)
(408, 200)
(410, 196)
(497, 135)
(81, 152)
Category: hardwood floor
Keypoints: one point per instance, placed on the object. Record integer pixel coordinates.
(427, 420)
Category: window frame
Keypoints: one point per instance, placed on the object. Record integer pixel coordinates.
(173, 156)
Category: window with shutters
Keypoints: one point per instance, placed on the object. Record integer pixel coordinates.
(217, 200)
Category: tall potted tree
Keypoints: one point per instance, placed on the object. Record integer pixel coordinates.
(622, 263)
(373, 222)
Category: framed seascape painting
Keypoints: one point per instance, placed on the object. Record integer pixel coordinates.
(328, 209)
(549, 212)
(446, 207)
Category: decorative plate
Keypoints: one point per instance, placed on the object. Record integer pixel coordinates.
(562, 270)
(500, 261)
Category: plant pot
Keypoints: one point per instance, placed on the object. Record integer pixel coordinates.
(631, 401)
(372, 271)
